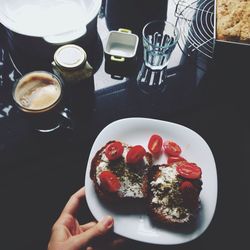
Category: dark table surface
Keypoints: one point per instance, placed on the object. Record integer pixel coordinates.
(40, 172)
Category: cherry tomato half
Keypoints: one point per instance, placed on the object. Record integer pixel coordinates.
(135, 154)
(155, 144)
(189, 170)
(190, 194)
(114, 150)
(109, 181)
(187, 186)
(173, 159)
(172, 148)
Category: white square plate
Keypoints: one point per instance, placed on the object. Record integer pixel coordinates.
(138, 226)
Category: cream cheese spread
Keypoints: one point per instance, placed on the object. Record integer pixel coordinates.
(166, 194)
(131, 181)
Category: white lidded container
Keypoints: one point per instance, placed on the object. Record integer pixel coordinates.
(45, 18)
(39, 27)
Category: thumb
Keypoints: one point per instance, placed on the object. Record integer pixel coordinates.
(101, 228)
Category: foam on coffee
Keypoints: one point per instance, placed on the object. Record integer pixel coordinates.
(37, 91)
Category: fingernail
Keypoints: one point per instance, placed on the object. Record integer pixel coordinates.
(107, 221)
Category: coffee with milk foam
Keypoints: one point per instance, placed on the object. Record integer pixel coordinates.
(37, 91)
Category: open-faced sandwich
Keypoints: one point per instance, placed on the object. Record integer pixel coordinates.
(170, 191)
(120, 172)
(174, 192)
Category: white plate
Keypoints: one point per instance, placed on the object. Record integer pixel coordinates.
(194, 148)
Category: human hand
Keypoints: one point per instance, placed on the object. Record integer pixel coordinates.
(68, 234)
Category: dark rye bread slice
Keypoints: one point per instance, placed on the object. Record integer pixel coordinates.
(166, 203)
(133, 177)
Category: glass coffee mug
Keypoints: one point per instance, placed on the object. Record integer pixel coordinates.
(159, 40)
(38, 97)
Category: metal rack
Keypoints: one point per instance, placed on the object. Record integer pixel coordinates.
(195, 20)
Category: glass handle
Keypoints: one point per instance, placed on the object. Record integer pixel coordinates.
(66, 121)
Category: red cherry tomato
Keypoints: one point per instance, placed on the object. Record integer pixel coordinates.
(114, 150)
(109, 181)
(171, 148)
(155, 144)
(189, 170)
(173, 159)
(190, 194)
(135, 154)
(187, 186)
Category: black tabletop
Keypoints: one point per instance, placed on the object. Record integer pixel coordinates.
(39, 172)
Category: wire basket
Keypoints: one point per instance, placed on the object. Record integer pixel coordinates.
(195, 20)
